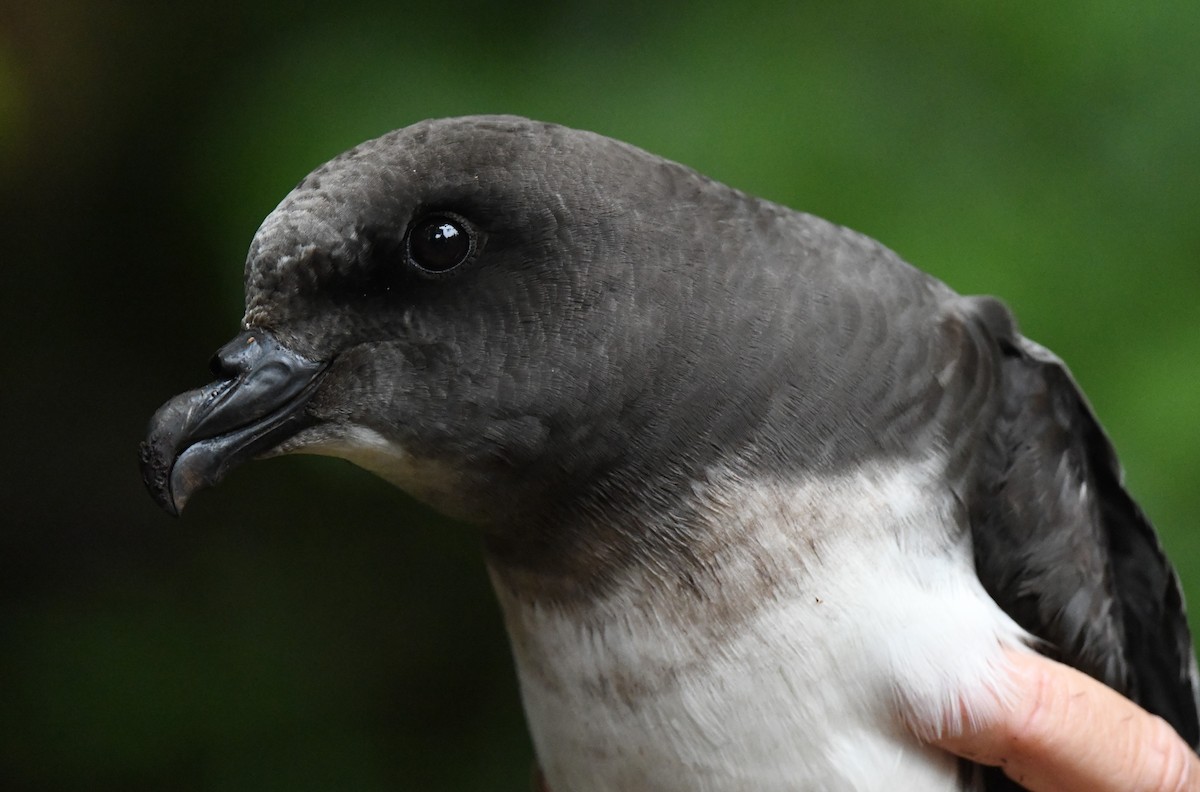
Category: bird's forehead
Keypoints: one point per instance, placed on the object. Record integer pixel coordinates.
(546, 191)
(499, 167)
(379, 184)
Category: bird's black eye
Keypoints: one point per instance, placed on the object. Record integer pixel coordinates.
(439, 242)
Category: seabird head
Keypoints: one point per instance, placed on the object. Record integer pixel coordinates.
(491, 311)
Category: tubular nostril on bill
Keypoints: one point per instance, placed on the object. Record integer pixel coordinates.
(239, 355)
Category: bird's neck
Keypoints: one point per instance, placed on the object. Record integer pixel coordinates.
(712, 659)
(579, 543)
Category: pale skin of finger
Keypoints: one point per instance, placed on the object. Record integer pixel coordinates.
(1067, 732)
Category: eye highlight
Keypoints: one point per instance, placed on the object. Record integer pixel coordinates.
(439, 242)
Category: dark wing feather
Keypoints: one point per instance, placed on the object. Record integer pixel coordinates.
(1062, 547)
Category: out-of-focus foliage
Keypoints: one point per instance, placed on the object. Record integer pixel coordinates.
(306, 627)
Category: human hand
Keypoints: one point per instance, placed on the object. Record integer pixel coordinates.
(1069, 733)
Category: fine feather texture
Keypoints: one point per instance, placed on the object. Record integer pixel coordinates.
(1063, 547)
(722, 687)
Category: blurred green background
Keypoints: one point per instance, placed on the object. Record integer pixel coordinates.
(306, 627)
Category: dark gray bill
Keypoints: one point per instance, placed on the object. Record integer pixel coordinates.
(196, 438)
